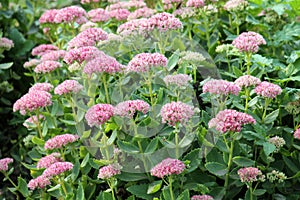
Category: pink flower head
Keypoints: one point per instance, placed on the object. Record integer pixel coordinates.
(89, 1)
(230, 120)
(88, 37)
(4, 163)
(144, 61)
(70, 14)
(109, 171)
(181, 80)
(82, 54)
(141, 13)
(235, 5)
(176, 112)
(247, 81)
(41, 86)
(42, 49)
(129, 108)
(297, 134)
(220, 87)
(195, 3)
(6, 43)
(249, 174)
(99, 114)
(31, 63)
(119, 14)
(164, 22)
(134, 27)
(39, 182)
(103, 64)
(57, 168)
(98, 15)
(167, 167)
(131, 4)
(202, 197)
(31, 101)
(47, 66)
(248, 42)
(33, 120)
(268, 90)
(68, 86)
(60, 140)
(48, 16)
(47, 161)
(55, 55)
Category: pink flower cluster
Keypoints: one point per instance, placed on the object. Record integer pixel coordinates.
(47, 161)
(249, 174)
(31, 101)
(131, 4)
(31, 63)
(129, 108)
(176, 112)
(82, 54)
(41, 86)
(247, 81)
(119, 14)
(88, 37)
(32, 120)
(230, 120)
(42, 49)
(48, 16)
(60, 140)
(220, 87)
(168, 4)
(134, 27)
(89, 1)
(181, 80)
(164, 22)
(99, 114)
(297, 134)
(248, 42)
(141, 13)
(55, 55)
(57, 168)
(98, 15)
(195, 3)
(71, 14)
(6, 43)
(109, 171)
(39, 182)
(4, 163)
(47, 66)
(268, 90)
(167, 167)
(235, 5)
(144, 61)
(68, 86)
(202, 197)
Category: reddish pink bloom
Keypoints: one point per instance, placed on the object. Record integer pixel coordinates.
(247, 81)
(99, 114)
(103, 64)
(220, 87)
(55, 55)
(181, 80)
(164, 22)
(6, 43)
(129, 108)
(248, 42)
(167, 167)
(268, 90)
(202, 197)
(48, 16)
(47, 161)
(4, 163)
(57, 169)
(230, 120)
(39, 182)
(249, 174)
(82, 54)
(297, 134)
(68, 86)
(109, 171)
(195, 3)
(60, 140)
(119, 14)
(33, 120)
(42, 49)
(98, 15)
(70, 14)
(176, 112)
(141, 13)
(47, 66)
(31, 101)
(144, 61)
(41, 86)
(31, 63)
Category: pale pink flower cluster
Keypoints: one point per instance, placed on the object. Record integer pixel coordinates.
(48, 16)
(195, 3)
(230, 120)
(202, 197)
(167, 167)
(247, 81)
(235, 5)
(181, 80)
(277, 141)
(176, 112)
(249, 174)
(55, 55)
(47, 66)
(42, 49)
(109, 171)
(143, 62)
(87, 25)
(297, 134)
(98, 15)
(119, 14)
(99, 114)
(68, 86)
(164, 22)
(168, 4)
(248, 42)
(41, 86)
(57, 168)
(268, 90)
(31, 101)
(185, 12)
(134, 27)
(89, 1)
(6, 43)
(103, 64)
(32, 120)
(60, 140)
(130, 107)
(220, 87)
(39, 182)
(88, 37)
(4, 163)
(82, 54)
(131, 4)
(141, 13)
(31, 63)
(71, 14)
(47, 161)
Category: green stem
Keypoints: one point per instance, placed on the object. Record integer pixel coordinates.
(110, 184)
(195, 73)
(38, 124)
(150, 89)
(248, 62)
(176, 142)
(207, 32)
(105, 88)
(229, 164)
(11, 181)
(247, 93)
(63, 186)
(251, 191)
(267, 102)
(170, 187)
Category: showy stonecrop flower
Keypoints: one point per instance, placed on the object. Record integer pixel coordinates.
(168, 167)
(277, 141)
(109, 171)
(31, 63)
(195, 3)
(220, 87)
(4, 163)
(229, 49)
(47, 66)
(39, 182)
(250, 174)
(68, 86)
(47, 161)
(57, 169)
(98, 15)
(60, 141)
(297, 134)
(6, 43)
(131, 4)
(235, 5)
(130, 107)
(99, 114)
(202, 197)
(42, 49)
(134, 27)
(47, 87)
(33, 120)
(143, 62)
(185, 12)
(82, 54)
(54, 55)
(191, 57)
(141, 13)
(276, 176)
(247, 81)
(120, 14)
(164, 22)
(71, 14)
(230, 120)
(48, 16)
(248, 42)
(268, 90)
(180, 80)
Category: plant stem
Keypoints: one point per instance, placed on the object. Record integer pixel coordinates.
(63, 186)
(251, 191)
(247, 92)
(110, 183)
(170, 187)
(38, 124)
(11, 181)
(248, 62)
(105, 88)
(150, 89)
(229, 164)
(265, 110)
(207, 32)
(176, 142)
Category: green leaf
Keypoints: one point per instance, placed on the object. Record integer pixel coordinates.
(112, 138)
(268, 148)
(186, 140)
(154, 187)
(127, 147)
(6, 65)
(80, 192)
(85, 160)
(68, 122)
(140, 191)
(253, 101)
(173, 60)
(292, 166)
(259, 192)
(152, 146)
(194, 157)
(22, 187)
(38, 141)
(184, 196)
(104, 196)
(75, 170)
(215, 168)
(271, 117)
(126, 176)
(243, 161)
(166, 193)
